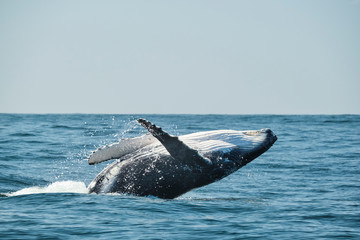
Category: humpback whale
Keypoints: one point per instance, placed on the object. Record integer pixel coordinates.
(165, 166)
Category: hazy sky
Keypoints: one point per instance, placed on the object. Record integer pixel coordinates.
(236, 57)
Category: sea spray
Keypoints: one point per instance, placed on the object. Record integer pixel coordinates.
(56, 187)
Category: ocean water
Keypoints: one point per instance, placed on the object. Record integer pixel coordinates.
(307, 186)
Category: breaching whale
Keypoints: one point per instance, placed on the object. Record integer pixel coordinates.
(166, 166)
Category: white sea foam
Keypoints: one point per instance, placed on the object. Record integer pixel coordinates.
(56, 187)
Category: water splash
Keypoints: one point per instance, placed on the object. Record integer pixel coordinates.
(56, 187)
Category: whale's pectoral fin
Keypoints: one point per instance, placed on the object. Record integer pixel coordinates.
(117, 150)
(174, 146)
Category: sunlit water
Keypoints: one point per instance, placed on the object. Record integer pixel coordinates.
(307, 186)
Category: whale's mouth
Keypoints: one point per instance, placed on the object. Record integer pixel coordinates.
(259, 147)
(270, 136)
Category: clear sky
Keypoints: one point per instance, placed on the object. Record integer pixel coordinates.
(221, 57)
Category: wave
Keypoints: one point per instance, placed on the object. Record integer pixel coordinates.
(22, 134)
(56, 187)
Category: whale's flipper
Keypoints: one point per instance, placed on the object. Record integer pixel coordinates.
(175, 147)
(117, 150)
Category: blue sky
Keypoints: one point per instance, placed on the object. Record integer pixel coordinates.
(220, 57)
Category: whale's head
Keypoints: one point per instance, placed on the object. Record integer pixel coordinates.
(251, 144)
(229, 148)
